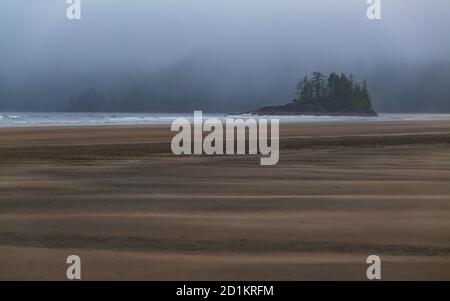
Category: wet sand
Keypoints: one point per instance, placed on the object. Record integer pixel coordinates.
(131, 210)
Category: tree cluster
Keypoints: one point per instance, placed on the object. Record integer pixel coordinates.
(88, 101)
(333, 93)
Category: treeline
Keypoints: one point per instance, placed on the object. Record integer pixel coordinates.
(89, 100)
(333, 93)
(179, 88)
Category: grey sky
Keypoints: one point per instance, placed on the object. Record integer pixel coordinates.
(154, 33)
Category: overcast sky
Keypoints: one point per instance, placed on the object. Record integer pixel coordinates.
(149, 34)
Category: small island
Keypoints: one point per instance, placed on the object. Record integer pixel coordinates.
(337, 95)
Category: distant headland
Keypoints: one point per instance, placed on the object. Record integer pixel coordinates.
(337, 95)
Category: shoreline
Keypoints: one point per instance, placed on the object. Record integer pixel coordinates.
(54, 120)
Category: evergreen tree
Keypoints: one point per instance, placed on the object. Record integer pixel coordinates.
(319, 86)
(305, 91)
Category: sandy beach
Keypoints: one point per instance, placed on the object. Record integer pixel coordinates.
(118, 198)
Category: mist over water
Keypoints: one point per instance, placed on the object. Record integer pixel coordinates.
(220, 56)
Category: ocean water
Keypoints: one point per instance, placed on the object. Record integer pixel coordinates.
(30, 119)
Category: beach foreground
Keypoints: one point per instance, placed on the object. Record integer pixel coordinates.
(131, 210)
